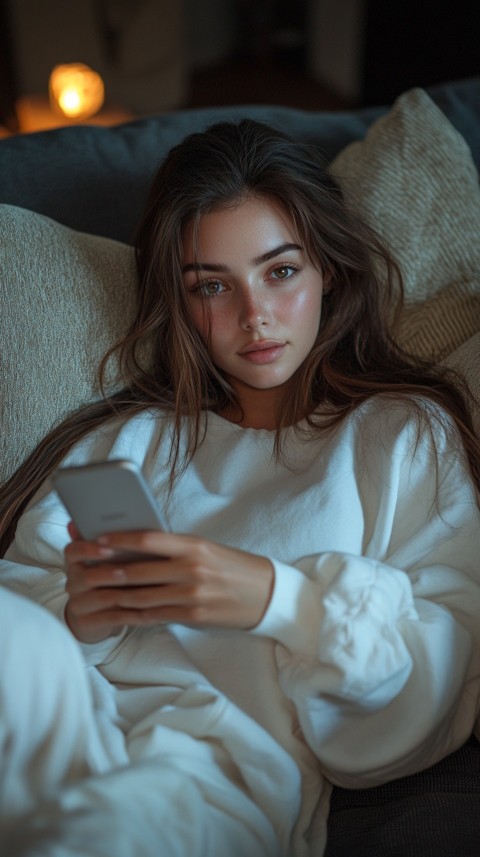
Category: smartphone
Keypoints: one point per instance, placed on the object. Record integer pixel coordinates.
(108, 496)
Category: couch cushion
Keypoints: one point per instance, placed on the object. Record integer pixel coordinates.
(95, 179)
(413, 178)
(433, 813)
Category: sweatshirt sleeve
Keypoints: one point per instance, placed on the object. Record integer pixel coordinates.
(34, 563)
(380, 652)
(34, 567)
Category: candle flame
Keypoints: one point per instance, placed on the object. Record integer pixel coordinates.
(76, 90)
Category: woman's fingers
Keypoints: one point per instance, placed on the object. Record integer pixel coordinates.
(201, 583)
(154, 543)
(83, 577)
(73, 531)
(81, 551)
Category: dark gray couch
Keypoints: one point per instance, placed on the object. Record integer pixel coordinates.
(95, 179)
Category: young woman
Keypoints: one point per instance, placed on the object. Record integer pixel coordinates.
(313, 615)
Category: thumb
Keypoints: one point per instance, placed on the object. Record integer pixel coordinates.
(73, 532)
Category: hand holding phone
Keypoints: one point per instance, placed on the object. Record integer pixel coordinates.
(141, 582)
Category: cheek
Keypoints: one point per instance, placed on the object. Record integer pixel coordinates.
(305, 308)
(220, 333)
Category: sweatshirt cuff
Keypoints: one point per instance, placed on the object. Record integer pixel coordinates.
(93, 654)
(293, 615)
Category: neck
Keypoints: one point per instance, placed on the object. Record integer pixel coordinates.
(257, 408)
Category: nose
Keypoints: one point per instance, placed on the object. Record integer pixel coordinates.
(253, 314)
(253, 323)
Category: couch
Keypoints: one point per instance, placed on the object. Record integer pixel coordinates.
(69, 201)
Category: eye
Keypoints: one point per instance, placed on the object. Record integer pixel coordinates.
(209, 288)
(283, 272)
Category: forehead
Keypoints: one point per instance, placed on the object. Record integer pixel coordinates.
(253, 220)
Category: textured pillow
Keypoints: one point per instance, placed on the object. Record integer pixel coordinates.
(413, 179)
(65, 297)
(466, 360)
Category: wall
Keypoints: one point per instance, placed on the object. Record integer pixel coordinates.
(138, 46)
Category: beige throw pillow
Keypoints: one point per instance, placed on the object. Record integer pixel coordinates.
(413, 178)
(466, 361)
(65, 297)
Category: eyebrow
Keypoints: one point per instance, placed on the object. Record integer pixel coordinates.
(257, 260)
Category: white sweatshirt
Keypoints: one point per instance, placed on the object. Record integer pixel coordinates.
(366, 665)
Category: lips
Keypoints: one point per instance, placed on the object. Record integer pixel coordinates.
(262, 345)
(266, 351)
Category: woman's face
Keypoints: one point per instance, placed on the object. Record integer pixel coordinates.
(255, 298)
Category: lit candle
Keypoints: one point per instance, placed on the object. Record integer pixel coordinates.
(76, 90)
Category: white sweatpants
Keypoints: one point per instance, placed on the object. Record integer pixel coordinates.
(60, 796)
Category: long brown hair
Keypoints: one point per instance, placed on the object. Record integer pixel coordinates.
(354, 357)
